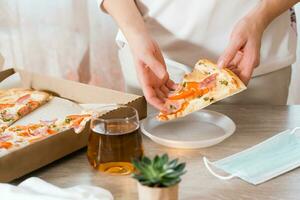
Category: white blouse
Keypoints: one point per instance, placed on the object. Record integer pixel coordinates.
(189, 30)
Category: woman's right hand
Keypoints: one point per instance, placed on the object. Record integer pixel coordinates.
(151, 70)
(149, 62)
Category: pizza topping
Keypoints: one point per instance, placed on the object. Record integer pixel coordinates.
(224, 82)
(182, 95)
(192, 85)
(173, 106)
(4, 138)
(3, 127)
(17, 128)
(39, 131)
(6, 105)
(23, 99)
(51, 131)
(183, 106)
(24, 110)
(67, 120)
(195, 89)
(175, 110)
(48, 122)
(6, 117)
(24, 133)
(209, 82)
(75, 120)
(5, 145)
(33, 104)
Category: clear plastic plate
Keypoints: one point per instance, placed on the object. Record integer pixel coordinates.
(197, 130)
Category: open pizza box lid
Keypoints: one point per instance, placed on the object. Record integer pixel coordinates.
(41, 153)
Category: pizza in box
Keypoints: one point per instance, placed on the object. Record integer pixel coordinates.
(17, 103)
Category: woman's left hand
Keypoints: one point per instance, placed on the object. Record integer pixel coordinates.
(242, 54)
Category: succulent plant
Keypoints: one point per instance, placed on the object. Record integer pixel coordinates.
(159, 172)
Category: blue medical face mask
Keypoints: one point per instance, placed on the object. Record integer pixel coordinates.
(264, 161)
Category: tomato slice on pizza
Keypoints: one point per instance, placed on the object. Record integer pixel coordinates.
(205, 85)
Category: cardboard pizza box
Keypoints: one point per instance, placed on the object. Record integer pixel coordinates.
(41, 153)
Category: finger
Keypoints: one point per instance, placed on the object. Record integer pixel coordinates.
(237, 59)
(157, 68)
(232, 68)
(165, 90)
(245, 70)
(171, 85)
(152, 98)
(234, 46)
(236, 71)
(249, 62)
(245, 76)
(160, 94)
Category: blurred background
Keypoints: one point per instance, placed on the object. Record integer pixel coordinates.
(72, 39)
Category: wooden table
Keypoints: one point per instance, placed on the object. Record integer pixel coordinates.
(254, 124)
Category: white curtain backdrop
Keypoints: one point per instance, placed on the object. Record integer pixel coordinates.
(71, 39)
(66, 38)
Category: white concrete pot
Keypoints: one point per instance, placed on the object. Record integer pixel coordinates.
(156, 193)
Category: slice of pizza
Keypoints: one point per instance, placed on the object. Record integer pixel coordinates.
(16, 103)
(205, 85)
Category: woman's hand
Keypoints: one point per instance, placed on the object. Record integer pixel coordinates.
(149, 62)
(242, 54)
(151, 70)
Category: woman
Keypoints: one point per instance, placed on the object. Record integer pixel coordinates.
(252, 37)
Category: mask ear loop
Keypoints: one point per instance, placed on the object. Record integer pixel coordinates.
(207, 164)
(294, 130)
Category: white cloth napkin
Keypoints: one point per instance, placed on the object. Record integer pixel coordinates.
(37, 189)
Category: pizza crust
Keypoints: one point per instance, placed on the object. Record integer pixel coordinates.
(12, 95)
